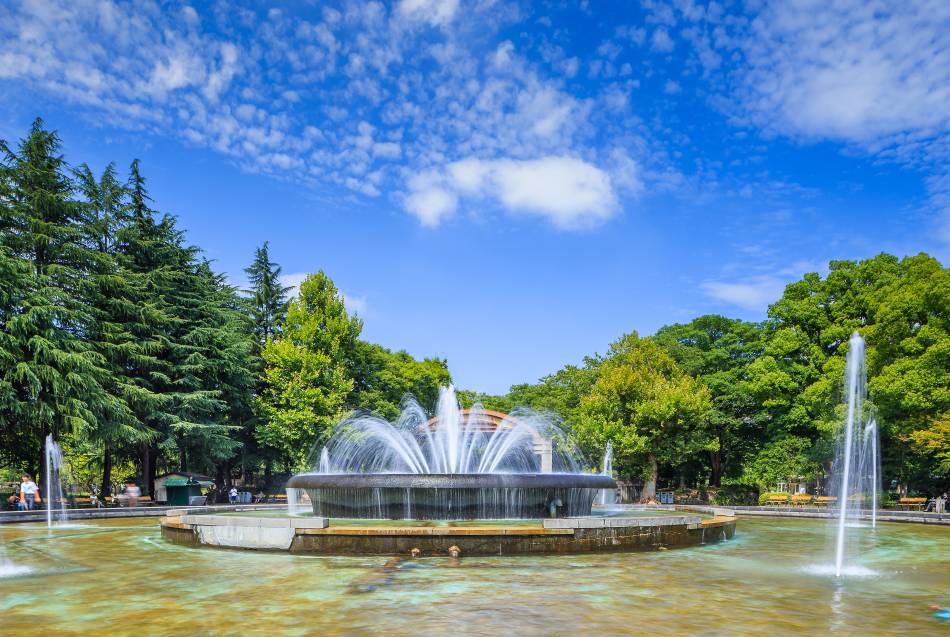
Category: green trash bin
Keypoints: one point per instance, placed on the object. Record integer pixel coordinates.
(180, 491)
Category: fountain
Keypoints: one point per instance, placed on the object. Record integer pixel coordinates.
(608, 496)
(464, 481)
(459, 464)
(55, 505)
(857, 458)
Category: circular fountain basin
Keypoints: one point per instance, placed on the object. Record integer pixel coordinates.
(435, 496)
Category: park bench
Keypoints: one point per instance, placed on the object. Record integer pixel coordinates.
(825, 500)
(912, 503)
(775, 500)
(801, 499)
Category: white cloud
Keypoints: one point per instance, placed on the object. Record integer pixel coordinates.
(849, 70)
(429, 201)
(354, 304)
(661, 41)
(395, 109)
(568, 192)
(293, 281)
(874, 76)
(754, 293)
(435, 12)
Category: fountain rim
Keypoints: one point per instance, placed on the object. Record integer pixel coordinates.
(451, 481)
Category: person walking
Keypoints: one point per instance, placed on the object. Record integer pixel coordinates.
(29, 493)
(233, 495)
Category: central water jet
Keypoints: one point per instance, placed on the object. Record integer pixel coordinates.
(458, 464)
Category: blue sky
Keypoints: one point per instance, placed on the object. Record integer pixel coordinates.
(511, 185)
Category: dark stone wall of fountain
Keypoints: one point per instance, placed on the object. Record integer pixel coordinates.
(450, 496)
(449, 504)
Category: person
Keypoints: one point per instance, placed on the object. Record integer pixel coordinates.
(233, 495)
(29, 493)
(942, 502)
(132, 490)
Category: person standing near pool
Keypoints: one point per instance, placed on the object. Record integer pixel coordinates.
(941, 503)
(28, 492)
(233, 495)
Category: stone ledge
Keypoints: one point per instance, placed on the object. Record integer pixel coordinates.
(620, 522)
(237, 521)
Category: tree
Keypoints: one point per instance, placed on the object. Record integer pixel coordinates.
(718, 351)
(51, 374)
(267, 297)
(647, 407)
(306, 378)
(122, 320)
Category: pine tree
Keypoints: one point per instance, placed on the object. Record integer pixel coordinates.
(201, 369)
(267, 297)
(125, 322)
(51, 375)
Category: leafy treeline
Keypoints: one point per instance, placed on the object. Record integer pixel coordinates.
(719, 400)
(118, 338)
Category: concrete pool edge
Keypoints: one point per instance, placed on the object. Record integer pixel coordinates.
(886, 515)
(554, 536)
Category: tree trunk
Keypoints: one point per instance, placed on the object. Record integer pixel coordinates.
(649, 485)
(106, 490)
(146, 469)
(153, 469)
(715, 463)
(267, 476)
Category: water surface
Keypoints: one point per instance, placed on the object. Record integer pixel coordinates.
(118, 577)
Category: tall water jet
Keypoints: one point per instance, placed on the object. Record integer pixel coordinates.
(608, 496)
(857, 458)
(55, 505)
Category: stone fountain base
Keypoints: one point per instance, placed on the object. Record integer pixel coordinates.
(556, 536)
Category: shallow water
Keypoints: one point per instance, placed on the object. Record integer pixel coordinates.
(118, 577)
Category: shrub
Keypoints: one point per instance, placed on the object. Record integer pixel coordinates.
(738, 494)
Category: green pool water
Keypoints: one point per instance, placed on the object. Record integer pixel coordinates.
(118, 577)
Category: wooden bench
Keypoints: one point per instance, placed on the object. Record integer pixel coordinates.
(776, 500)
(801, 499)
(912, 503)
(825, 500)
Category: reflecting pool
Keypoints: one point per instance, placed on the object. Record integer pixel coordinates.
(118, 577)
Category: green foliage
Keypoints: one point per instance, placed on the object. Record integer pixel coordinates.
(718, 351)
(381, 379)
(51, 376)
(306, 380)
(935, 441)
(646, 406)
(781, 460)
(267, 298)
(736, 494)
